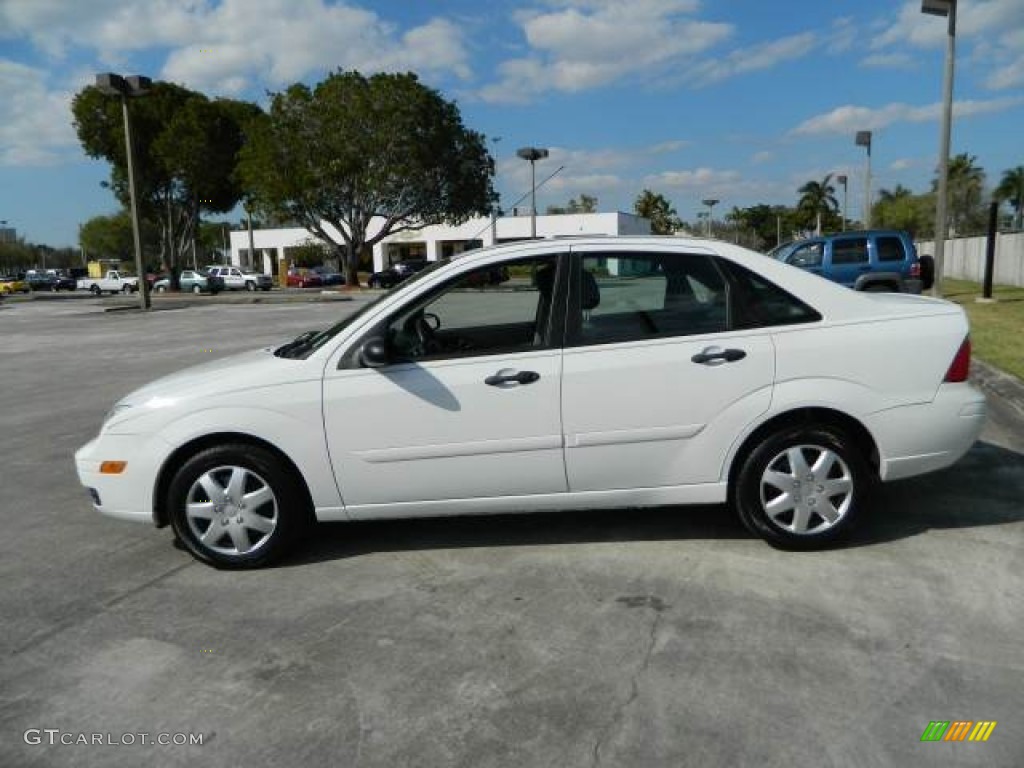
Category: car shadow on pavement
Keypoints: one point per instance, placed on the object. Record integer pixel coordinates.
(984, 488)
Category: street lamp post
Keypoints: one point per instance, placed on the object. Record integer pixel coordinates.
(945, 8)
(136, 85)
(842, 179)
(863, 139)
(533, 154)
(710, 202)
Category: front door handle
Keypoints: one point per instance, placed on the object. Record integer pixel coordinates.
(511, 377)
(717, 356)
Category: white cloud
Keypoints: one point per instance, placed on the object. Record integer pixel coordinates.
(756, 57)
(228, 46)
(583, 44)
(895, 60)
(901, 164)
(849, 118)
(760, 158)
(994, 27)
(693, 179)
(36, 129)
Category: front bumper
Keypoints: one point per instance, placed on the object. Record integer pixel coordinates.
(128, 495)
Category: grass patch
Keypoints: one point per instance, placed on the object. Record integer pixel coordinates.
(997, 329)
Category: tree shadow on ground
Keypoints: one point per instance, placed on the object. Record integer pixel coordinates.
(985, 488)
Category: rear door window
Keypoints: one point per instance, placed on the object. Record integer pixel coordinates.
(850, 250)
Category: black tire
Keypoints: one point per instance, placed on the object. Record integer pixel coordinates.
(161, 289)
(754, 489)
(197, 288)
(126, 288)
(96, 290)
(927, 272)
(250, 285)
(269, 528)
(880, 288)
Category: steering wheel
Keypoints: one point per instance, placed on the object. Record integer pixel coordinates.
(425, 325)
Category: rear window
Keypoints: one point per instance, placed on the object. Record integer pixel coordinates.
(890, 248)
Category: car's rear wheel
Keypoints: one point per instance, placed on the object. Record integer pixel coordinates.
(197, 288)
(802, 487)
(126, 288)
(96, 290)
(161, 289)
(236, 506)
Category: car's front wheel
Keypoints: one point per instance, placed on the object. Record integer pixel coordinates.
(197, 288)
(802, 487)
(236, 506)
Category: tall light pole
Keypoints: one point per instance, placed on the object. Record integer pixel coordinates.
(945, 8)
(842, 179)
(863, 139)
(533, 154)
(710, 202)
(136, 85)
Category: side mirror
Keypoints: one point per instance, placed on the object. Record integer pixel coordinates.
(375, 352)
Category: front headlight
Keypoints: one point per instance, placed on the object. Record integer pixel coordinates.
(118, 408)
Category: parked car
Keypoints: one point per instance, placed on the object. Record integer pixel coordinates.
(300, 277)
(396, 273)
(237, 279)
(872, 260)
(329, 277)
(9, 285)
(48, 281)
(113, 281)
(626, 372)
(191, 281)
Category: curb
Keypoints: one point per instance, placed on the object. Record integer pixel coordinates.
(181, 302)
(1004, 385)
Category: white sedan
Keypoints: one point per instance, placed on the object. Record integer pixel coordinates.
(603, 373)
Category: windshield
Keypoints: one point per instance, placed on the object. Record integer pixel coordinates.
(307, 343)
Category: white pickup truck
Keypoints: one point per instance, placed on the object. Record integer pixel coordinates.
(112, 282)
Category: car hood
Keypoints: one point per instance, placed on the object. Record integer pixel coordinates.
(243, 371)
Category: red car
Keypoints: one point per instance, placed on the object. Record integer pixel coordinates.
(303, 278)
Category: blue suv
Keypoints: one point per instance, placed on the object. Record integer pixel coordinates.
(872, 260)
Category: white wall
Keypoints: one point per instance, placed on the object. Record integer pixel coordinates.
(964, 258)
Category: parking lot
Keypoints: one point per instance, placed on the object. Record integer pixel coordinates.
(624, 638)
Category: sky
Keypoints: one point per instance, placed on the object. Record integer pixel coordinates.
(736, 100)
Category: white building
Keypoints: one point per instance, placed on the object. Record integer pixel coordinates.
(435, 242)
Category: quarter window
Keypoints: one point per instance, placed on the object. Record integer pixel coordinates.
(890, 248)
(756, 302)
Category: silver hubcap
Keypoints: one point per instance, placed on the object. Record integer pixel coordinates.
(231, 510)
(806, 489)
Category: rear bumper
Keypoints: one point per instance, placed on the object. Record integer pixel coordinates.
(917, 439)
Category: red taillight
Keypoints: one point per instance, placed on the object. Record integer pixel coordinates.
(961, 365)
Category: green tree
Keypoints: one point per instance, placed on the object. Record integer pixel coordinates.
(1011, 190)
(107, 236)
(656, 208)
(818, 202)
(900, 208)
(762, 227)
(354, 148)
(965, 187)
(186, 149)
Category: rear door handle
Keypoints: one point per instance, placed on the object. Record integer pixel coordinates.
(717, 356)
(511, 377)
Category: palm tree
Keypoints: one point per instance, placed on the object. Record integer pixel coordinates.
(1011, 189)
(965, 184)
(817, 198)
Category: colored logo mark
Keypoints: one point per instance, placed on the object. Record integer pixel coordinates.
(958, 730)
